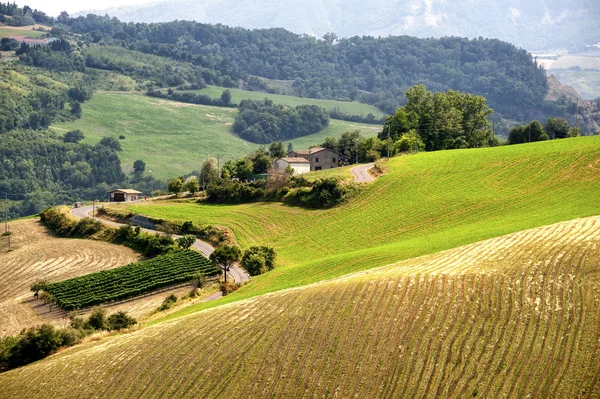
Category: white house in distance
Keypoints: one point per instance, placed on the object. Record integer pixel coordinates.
(299, 164)
(123, 195)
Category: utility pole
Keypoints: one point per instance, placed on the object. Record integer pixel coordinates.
(389, 139)
(219, 166)
(577, 114)
(493, 130)
(6, 213)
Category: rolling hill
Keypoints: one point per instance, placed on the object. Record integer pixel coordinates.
(509, 317)
(174, 138)
(426, 203)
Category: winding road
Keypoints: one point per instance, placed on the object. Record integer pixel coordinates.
(238, 274)
(361, 174)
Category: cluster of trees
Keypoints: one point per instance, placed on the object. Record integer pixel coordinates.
(36, 343)
(57, 56)
(373, 70)
(256, 259)
(440, 121)
(193, 98)
(22, 16)
(265, 122)
(554, 128)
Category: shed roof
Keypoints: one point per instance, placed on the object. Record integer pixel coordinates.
(125, 190)
(295, 160)
(313, 151)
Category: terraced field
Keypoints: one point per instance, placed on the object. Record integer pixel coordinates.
(426, 203)
(511, 317)
(36, 254)
(174, 138)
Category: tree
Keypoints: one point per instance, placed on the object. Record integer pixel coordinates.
(226, 97)
(175, 186)
(139, 166)
(73, 136)
(243, 168)
(261, 162)
(290, 147)
(557, 128)
(575, 132)
(330, 143)
(110, 142)
(258, 260)
(191, 184)
(276, 150)
(209, 172)
(225, 256)
(330, 37)
(76, 109)
(39, 285)
(186, 241)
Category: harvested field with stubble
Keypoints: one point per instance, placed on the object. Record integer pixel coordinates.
(511, 317)
(37, 254)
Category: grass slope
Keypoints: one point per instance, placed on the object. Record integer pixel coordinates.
(174, 138)
(237, 95)
(6, 31)
(426, 203)
(513, 317)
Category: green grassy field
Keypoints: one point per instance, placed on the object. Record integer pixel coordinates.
(351, 108)
(512, 317)
(9, 31)
(426, 203)
(174, 138)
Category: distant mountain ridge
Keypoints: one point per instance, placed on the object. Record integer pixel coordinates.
(534, 24)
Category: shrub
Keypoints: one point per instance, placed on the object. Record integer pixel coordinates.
(168, 303)
(97, 320)
(227, 287)
(120, 321)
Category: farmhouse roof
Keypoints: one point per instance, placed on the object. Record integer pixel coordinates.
(295, 160)
(125, 190)
(31, 40)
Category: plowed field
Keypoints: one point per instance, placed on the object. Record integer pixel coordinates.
(516, 316)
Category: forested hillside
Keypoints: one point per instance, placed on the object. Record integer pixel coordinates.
(534, 24)
(367, 69)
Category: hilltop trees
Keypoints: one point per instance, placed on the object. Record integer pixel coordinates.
(554, 128)
(557, 128)
(441, 120)
(139, 166)
(225, 256)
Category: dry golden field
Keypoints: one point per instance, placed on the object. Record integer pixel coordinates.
(511, 317)
(37, 254)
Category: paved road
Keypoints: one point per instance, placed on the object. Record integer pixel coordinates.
(360, 173)
(239, 275)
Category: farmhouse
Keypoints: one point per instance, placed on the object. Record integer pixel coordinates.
(299, 164)
(123, 195)
(33, 42)
(318, 157)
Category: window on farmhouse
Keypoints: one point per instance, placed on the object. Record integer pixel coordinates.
(316, 159)
(333, 160)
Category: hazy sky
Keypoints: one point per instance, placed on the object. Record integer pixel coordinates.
(54, 7)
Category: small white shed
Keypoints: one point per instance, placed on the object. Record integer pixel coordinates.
(124, 195)
(300, 165)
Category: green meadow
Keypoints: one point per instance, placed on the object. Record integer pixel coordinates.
(9, 31)
(237, 95)
(425, 203)
(174, 138)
